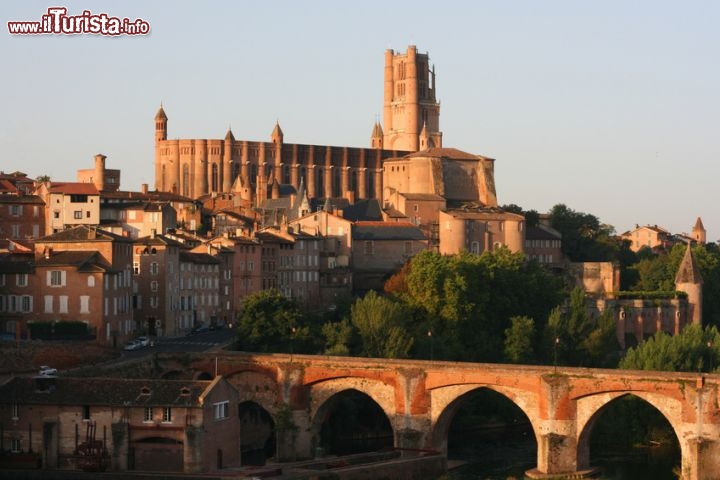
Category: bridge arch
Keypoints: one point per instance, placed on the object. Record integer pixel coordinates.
(324, 394)
(591, 407)
(447, 400)
(256, 386)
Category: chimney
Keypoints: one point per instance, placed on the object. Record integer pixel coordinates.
(99, 174)
(144, 188)
(153, 232)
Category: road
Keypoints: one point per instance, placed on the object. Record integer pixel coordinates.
(198, 342)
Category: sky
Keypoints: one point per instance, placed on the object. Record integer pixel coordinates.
(611, 108)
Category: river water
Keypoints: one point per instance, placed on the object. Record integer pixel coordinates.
(510, 458)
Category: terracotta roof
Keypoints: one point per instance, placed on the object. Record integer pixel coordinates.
(269, 235)
(21, 199)
(84, 233)
(103, 391)
(698, 225)
(452, 153)
(85, 261)
(74, 188)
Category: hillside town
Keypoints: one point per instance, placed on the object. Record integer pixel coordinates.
(228, 218)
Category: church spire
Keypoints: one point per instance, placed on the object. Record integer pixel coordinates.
(277, 133)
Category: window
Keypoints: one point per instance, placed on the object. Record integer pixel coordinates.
(86, 412)
(15, 411)
(154, 268)
(148, 414)
(56, 214)
(21, 280)
(15, 231)
(136, 268)
(77, 214)
(91, 281)
(84, 303)
(15, 210)
(48, 304)
(154, 286)
(15, 445)
(26, 303)
(369, 247)
(167, 415)
(221, 410)
(63, 308)
(56, 278)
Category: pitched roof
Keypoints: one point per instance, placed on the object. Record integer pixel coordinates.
(84, 233)
(85, 261)
(21, 199)
(698, 225)
(368, 209)
(688, 272)
(193, 257)
(104, 391)
(386, 231)
(73, 188)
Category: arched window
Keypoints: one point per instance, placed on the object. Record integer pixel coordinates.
(186, 180)
(214, 180)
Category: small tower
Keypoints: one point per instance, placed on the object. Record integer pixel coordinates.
(160, 125)
(699, 234)
(376, 140)
(277, 134)
(689, 280)
(424, 140)
(99, 173)
(274, 188)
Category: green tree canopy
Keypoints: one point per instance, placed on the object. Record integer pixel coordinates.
(379, 322)
(269, 322)
(695, 349)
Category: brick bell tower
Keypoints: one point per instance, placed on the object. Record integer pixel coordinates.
(410, 102)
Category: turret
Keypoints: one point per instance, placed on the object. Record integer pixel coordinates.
(423, 138)
(277, 134)
(690, 281)
(699, 233)
(376, 140)
(160, 125)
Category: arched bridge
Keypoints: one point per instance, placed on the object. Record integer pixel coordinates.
(421, 397)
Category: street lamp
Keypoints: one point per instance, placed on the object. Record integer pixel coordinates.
(555, 349)
(292, 343)
(429, 334)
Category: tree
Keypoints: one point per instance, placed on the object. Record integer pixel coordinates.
(519, 340)
(584, 238)
(379, 324)
(269, 322)
(694, 349)
(338, 336)
(574, 337)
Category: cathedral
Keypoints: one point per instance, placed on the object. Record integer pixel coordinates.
(411, 115)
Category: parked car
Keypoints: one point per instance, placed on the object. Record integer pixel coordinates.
(132, 345)
(47, 371)
(143, 341)
(199, 328)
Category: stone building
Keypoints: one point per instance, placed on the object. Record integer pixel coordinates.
(149, 425)
(104, 179)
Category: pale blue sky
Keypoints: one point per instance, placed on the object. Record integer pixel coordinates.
(610, 107)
